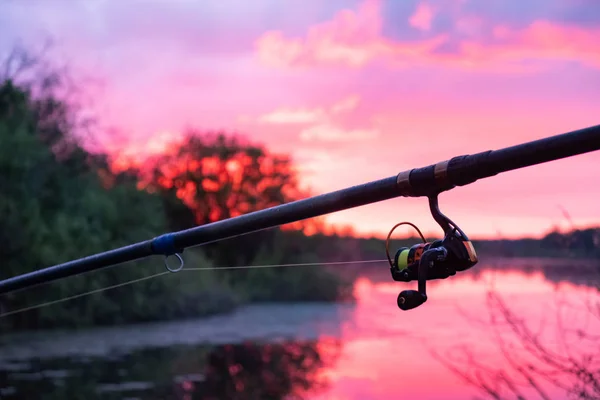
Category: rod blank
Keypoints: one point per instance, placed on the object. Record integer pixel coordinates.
(439, 177)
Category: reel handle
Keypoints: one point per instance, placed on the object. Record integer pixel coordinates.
(409, 299)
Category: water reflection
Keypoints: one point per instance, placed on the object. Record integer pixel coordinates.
(375, 351)
(445, 326)
(271, 371)
(584, 272)
(241, 371)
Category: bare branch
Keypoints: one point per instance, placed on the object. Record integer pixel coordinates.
(529, 362)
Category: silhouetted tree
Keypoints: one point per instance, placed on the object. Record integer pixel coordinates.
(217, 176)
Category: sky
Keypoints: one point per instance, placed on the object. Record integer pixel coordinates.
(353, 90)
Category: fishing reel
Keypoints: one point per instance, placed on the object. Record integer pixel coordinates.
(425, 261)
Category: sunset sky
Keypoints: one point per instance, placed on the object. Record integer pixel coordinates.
(354, 90)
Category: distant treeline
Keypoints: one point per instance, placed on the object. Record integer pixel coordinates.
(578, 243)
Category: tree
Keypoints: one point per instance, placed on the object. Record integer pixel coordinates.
(220, 176)
(59, 203)
(214, 176)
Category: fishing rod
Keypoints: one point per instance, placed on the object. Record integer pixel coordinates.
(439, 259)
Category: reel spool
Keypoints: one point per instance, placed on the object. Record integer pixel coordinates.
(425, 261)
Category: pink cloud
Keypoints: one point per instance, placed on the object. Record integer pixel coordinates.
(310, 115)
(291, 116)
(422, 17)
(347, 104)
(332, 133)
(323, 121)
(354, 39)
(541, 40)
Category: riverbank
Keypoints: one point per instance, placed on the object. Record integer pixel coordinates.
(353, 346)
(189, 293)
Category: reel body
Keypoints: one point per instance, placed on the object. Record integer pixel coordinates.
(459, 256)
(425, 261)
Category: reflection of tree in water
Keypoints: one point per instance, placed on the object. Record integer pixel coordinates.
(253, 371)
(532, 369)
(287, 370)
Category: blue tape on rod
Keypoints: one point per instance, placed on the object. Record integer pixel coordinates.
(165, 245)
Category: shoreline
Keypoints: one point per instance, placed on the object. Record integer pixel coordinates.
(575, 271)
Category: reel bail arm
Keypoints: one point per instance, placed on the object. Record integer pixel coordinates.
(439, 259)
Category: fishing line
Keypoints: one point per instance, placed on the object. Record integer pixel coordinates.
(439, 259)
(287, 265)
(170, 271)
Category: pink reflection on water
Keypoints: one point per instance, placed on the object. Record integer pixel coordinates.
(386, 353)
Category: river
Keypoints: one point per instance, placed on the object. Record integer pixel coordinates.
(366, 350)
